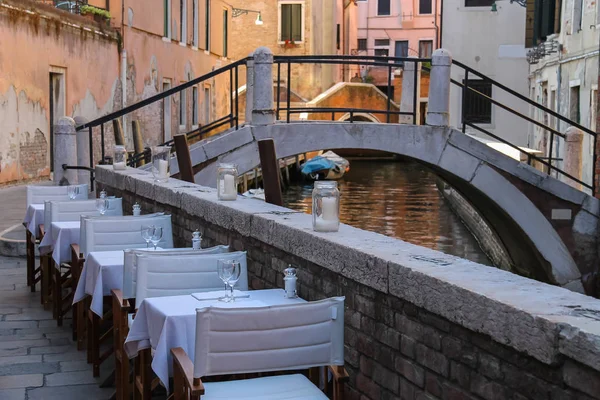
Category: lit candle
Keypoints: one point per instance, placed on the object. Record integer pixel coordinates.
(329, 208)
(119, 165)
(163, 167)
(227, 188)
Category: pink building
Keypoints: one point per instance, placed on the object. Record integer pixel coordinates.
(398, 28)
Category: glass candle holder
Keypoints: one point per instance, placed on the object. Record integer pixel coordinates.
(160, 163)
(120, 158)
(227, 181)
(326, 206)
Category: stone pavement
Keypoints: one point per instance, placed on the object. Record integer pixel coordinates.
(38, 360)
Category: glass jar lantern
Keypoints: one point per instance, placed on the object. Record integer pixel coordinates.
(160, 163)
(120, 158)
(227, 181)
(326, 206)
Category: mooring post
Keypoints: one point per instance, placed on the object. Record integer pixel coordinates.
(65, 151)
(409, 86)
(184, 160)
(438, 113)
(83, 152)
(263, 112)
(249, 89)
(573, 156)
(270, 172)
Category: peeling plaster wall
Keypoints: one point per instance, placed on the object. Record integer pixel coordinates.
(33, 45)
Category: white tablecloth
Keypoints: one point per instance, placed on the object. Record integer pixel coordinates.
(102, 272)
(59, 241)
(34, 216)
(163, 323)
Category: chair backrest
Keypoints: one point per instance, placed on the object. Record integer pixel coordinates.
(41, 194)
(115, 207)
(180, 275)
(85, 218)
(130, 263)
(72, 210)
(275, 338)
(109, 234)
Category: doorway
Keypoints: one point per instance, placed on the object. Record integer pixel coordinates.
(57, 104)
(167, 135)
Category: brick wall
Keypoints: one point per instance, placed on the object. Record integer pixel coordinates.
(394, 348)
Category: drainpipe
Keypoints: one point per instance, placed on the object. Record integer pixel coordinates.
(124, 89)
(437, 29)
(441, 23)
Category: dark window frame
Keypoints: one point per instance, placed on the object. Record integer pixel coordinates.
(428, 5)
(479, 3)
(362, 41)
(285, 36)
(387, 8)
(479, 109)
(421, 55)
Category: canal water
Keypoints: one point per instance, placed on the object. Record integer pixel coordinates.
(398, 199)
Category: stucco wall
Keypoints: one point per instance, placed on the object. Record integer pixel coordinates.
(33, 45)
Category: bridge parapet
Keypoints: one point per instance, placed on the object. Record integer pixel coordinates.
(415, 318)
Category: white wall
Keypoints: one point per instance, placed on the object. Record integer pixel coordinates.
(493, 44)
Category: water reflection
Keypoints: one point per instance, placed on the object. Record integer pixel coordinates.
(397, 199)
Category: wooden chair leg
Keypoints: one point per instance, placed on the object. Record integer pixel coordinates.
(94, 340)
(88, 334)
(80, 309)
(57, 294)
(45, 285)
(145, 384)
(30, 243)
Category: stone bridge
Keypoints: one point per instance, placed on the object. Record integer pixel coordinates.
(549, 228)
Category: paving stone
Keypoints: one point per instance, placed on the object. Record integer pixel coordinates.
(21, 381)
(10, 310)
(19, 360)
(35, 316)
(21, 336)
(20, 351)
(52, 349)
(21, 343)
(68, 366)
(70, 378)
(18, 324)
(30, 368)
(61, 341)
(58, 334)
(87, 392)
(12, 394)
(7, 287)
(72, 355)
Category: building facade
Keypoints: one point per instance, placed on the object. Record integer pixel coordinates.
(564, 73)
(57, 63)
(298, 27)
(492, 43)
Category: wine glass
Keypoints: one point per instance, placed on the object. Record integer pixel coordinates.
(73, 192)
(236, 269)
(147, 231)
(225, 272)
(157, 234)
(101, 206)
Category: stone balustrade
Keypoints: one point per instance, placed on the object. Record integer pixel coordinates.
(419, 323)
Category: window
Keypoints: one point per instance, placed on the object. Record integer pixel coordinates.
(183, 21)
(362, 44)
(384, 89)
(195, 22)
(401, 50)
(593, 103)
(194, 106)
(166, 111)
(206, 106)
(182, 109)
(291, 22)
(337, 36)
(479, 3)
(546, 21)
(577, 16)
(425, 48)
(167, 20)
(225, 31)
(382, 52)
(383, 7)
(382, 42)
(478, 110)
(574, 110)
(382, 47)
(425, 7)
(207, 26)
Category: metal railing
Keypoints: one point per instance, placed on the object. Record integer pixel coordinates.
(388, 63)
(548, 159)
(72, 6)
(231, 118)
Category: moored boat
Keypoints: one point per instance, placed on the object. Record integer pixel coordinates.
(327, 166)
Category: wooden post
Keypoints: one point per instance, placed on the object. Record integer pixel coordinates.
(186, 172)
(270, 171)
(138, 142)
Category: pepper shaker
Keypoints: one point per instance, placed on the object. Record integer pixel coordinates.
(137, 210)
(290, 282)
(196, 240)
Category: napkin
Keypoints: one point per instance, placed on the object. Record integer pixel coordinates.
(215, 295)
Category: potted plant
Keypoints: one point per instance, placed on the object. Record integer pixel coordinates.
(97, 14)
(289, 44)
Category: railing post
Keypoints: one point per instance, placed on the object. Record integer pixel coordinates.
(249, 89)
(263, 112)
(83, 151)
(411, 90)
(65, 151)
(573, 155)
(438, 113)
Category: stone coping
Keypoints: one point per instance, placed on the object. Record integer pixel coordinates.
(541, 320)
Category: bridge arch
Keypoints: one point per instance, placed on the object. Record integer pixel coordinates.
(475, 170)
(360, 117)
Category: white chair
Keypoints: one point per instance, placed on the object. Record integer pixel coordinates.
(266, 339)
(131, 256)
(186, 274)
(40, 194)
(72, 210)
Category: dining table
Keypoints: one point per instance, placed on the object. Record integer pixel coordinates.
(59, 240)
(163, 323)
(34, 216)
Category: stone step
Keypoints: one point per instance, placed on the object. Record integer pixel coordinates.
(12, 241)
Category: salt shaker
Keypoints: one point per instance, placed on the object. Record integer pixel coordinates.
(103, 194)
(196, 240)
(290, 282)
(137, 210)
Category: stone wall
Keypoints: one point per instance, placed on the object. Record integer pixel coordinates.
(419, 324)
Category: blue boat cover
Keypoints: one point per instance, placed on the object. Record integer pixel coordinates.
(317, 164)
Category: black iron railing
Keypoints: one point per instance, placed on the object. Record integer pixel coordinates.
(287, 63)
(231, 118)
(548, 159)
